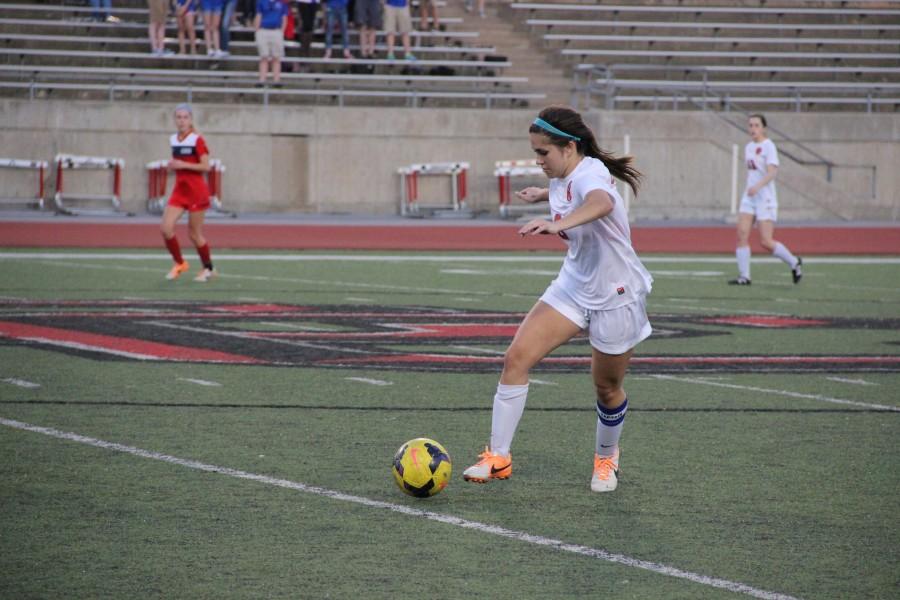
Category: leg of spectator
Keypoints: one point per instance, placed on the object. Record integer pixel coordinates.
(345, 33)
(225, 28)
(329, 30)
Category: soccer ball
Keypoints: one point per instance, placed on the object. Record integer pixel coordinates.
(421, 468)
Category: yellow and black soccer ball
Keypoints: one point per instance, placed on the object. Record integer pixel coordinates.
(421, 468)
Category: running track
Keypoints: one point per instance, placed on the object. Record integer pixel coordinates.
(417, 235)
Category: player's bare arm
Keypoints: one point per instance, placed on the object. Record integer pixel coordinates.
(533, 194)
(597, 204)
(202, 166)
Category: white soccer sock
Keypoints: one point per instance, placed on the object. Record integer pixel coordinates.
(743, 261)
(609, 428)
(509, 403)
(784, 254)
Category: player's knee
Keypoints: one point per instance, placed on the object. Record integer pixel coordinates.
(516, 361)
(767, 243)
(608, 391)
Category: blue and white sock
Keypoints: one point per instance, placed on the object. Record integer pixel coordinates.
(609, 428)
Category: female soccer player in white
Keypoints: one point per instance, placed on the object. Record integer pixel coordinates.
(760, 202)
(601, 286)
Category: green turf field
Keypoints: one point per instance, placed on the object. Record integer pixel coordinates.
(760, 455)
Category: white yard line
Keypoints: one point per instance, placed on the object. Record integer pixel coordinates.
(21, 383)
(479, 350)
(369, 381)
(853, 381)
(788, 393)
(443, 258)
(484, 528)
(200, 382)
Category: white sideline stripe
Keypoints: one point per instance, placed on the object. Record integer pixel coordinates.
(479, 350)
(90, 348)
(751, 388)
(21, 383)
(393, 288)
(200, 382)
(369, 381)
(522, 536)
(541, 382)
(822, 260)
(854, 381)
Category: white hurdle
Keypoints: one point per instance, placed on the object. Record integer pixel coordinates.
(504, 171)
(70, 161)
(409, 188)
(157, 180)
(38, 165)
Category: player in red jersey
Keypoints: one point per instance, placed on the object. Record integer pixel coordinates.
(190, 161)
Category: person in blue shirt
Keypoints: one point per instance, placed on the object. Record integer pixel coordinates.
(270, 21)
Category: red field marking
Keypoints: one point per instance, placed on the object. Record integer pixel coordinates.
(115, 345)
(709, 239)
(767, 321)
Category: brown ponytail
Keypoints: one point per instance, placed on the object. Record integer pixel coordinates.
(570, 121)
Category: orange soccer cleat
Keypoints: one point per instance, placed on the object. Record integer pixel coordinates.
(491, 466)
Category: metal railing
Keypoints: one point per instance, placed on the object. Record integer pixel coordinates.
(599, 80)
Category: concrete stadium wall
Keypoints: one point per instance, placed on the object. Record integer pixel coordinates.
(344, 160)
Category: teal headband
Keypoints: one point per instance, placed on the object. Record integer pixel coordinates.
(548, 127)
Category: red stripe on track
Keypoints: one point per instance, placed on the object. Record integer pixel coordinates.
(117, 345)
(711, 239)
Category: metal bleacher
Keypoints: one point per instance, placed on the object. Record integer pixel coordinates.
(770, 54)
(56, 50)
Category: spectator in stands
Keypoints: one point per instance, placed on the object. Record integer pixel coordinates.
(760, 203)
(190, 161)
(601, 290)
(336, 10)
(470, 4)
(212, 20)
(159, 10)
(228, 9)
(397, 19)
(425, 7)
(248, 12)
(307, 11)
(185, 11)
(269, 24)
(104, 15)
(368, 17)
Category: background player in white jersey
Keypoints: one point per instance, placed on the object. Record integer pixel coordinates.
(601, 287)
(760, 202)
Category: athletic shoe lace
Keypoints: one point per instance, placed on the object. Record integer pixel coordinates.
(603, 466)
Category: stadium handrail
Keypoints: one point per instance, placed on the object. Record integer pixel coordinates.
(252, 59)
(188, 74)
(550, 23)
(739, 68)
(699, 39)
(754, 10)
(731, 54)
(86, 39)
(412, 96)
(415, 33)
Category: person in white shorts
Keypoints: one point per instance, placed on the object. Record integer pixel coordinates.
(269, 23)
(760, 203)
(601, 287)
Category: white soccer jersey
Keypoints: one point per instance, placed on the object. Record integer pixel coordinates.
(601, 270)
(758, 157)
